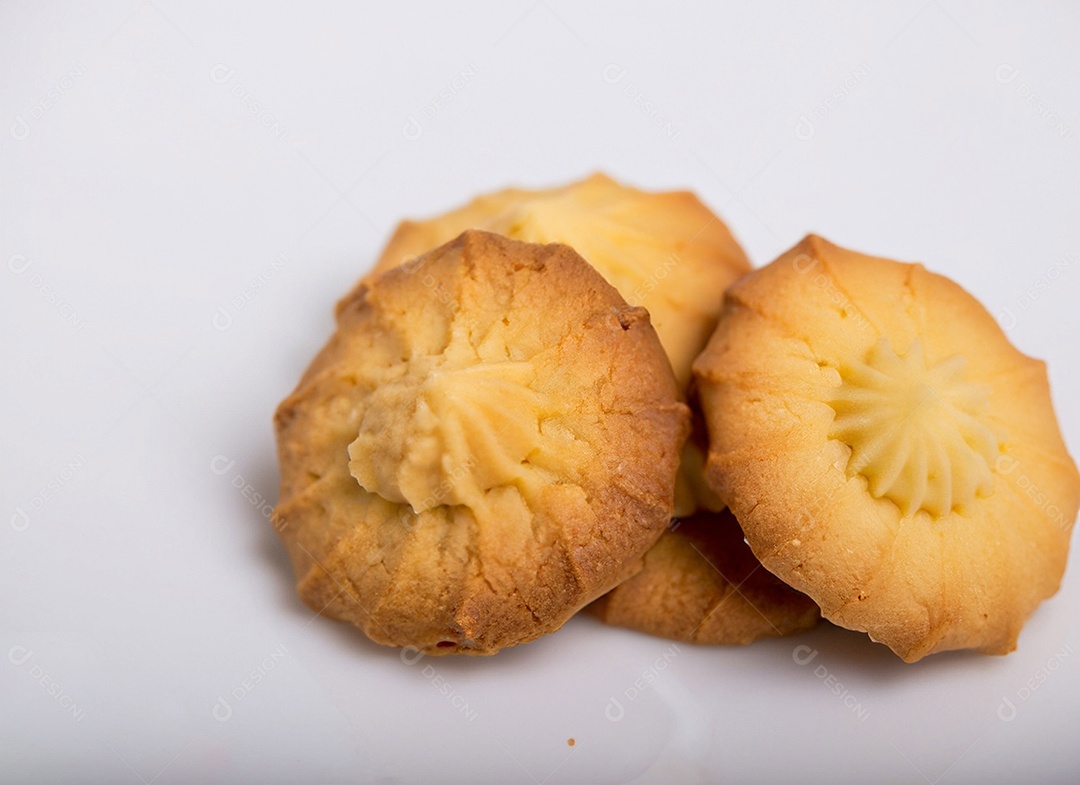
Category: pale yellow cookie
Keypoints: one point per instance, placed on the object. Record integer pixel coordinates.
(702, 584)
(666, 252)
(887, 451)
(488, 443)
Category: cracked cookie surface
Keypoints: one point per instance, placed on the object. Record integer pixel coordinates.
(887, 451)
(702, 584)
(488, 442)
(665, 251)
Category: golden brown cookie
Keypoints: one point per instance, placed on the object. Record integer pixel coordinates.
(702, 584)
(666, 252)
(887, 451)
(488, 442)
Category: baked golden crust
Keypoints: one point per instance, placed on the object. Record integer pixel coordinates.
(702, 584)
(488, 442)
(887, 451)
(666, 252)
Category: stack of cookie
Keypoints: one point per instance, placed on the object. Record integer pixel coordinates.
(583, 397)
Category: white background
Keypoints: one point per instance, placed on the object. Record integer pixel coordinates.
(202, 165)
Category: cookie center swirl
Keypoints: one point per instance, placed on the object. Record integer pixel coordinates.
(917, 433)
(448, 436)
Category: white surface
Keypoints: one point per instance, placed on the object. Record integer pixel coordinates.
(143, 197)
